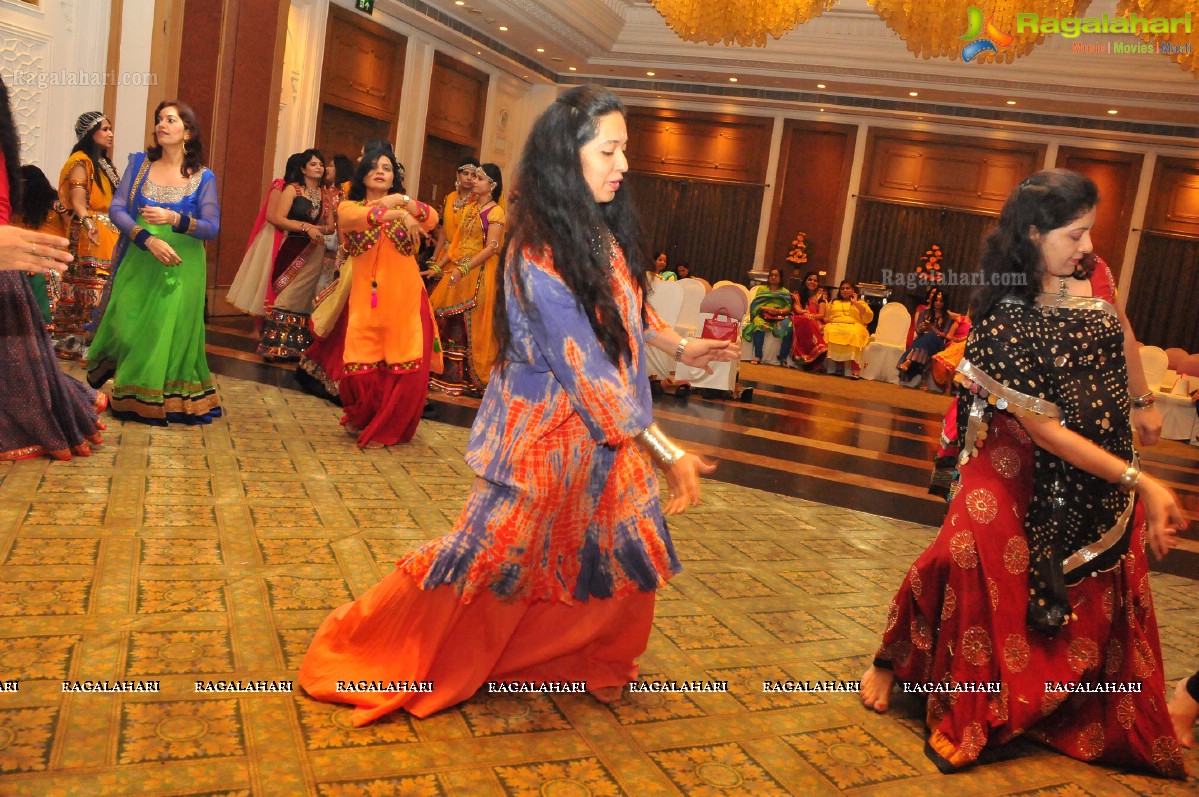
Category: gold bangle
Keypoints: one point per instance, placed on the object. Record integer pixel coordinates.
(660, 447)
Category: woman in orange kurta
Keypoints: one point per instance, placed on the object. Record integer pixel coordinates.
(551, 570)
(86, 186)
(391, 340)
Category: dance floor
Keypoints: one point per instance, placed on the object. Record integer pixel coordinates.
(188, 555)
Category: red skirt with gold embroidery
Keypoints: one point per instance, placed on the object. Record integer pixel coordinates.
(959, 619)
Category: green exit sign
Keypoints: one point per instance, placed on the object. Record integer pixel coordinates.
(365, 5)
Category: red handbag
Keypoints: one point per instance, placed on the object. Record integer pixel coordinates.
(717, 328)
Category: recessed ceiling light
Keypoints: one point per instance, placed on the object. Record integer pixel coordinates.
(459, 2)
(1113, 112)
(913, 94)
(820, 86)
(541, 49)
(572, 69)
(478, 52)
(503, 27)
(650, 74)
(732, 80)
(822, 110)
(1011, 102)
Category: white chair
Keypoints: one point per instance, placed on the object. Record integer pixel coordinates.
(881, 355)
(667, 300)
(1179, 421)
(727, 299)
(1155, 361)
(687, 324)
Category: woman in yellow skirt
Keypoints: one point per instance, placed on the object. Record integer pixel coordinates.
(86, 186)
(464, 298)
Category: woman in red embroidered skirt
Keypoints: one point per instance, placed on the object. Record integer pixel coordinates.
(391, 340)
(1038, 584)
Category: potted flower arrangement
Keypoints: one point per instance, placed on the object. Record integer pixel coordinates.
(799, 250)
(929, 270)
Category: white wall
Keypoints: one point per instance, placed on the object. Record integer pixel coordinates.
(52, 58)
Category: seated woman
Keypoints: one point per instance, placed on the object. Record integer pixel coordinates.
(660, 270)
(683, 271)
(845, 332)
(770, 311)
(807, 321)
(932, 330)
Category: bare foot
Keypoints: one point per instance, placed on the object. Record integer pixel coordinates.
(876, 688)
(606, 694)
(1183, 713)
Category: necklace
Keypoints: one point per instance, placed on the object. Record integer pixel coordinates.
(1062, 287)
(313, 195)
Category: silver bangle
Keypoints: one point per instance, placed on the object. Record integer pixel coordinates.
(1129, 478)
(1144, 401)
(678, 352)
(659, 446)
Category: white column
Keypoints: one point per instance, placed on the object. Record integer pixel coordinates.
(851, 204)
(772, 166)
(1136, 223)
(1050, 155)
(132, 126)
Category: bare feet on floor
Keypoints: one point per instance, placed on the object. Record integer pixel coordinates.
(876, 688)
(1183, 713)
(607, 694)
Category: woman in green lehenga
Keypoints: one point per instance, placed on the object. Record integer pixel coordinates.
(150, 339)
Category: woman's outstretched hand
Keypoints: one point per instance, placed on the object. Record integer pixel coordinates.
(26, 250)
(682, 478)
(700, 352)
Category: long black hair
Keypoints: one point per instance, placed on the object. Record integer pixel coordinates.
(96, 153)
(10, 145)
(1011, 261)
(805, 295)
(193, 147)
(343, 169)
(553, 209)
(38, 195)
(297, 165)
(369, 158)
(497, 180)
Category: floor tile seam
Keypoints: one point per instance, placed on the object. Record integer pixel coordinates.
(798, 441)
(815, 471)
(886, 410)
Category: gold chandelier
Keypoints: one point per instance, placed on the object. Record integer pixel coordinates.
(944, 27)
(743, 22)
(1178, 47)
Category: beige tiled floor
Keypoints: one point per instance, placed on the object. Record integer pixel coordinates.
(184, 554)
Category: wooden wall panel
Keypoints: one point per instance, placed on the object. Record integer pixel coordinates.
(943, 171)
(1174, 198)
(1116, 174)
(239, 111)
(810, 188)
(344, 132)
(702, 145)
(457, 101)
(364, 65)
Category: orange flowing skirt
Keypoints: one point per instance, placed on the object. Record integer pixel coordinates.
(398, 633)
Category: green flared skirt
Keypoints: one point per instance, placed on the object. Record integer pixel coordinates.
(151, 336)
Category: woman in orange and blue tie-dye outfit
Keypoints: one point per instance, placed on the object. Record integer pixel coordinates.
(551, 570)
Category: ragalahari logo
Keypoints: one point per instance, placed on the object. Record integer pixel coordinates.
(982, 35)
